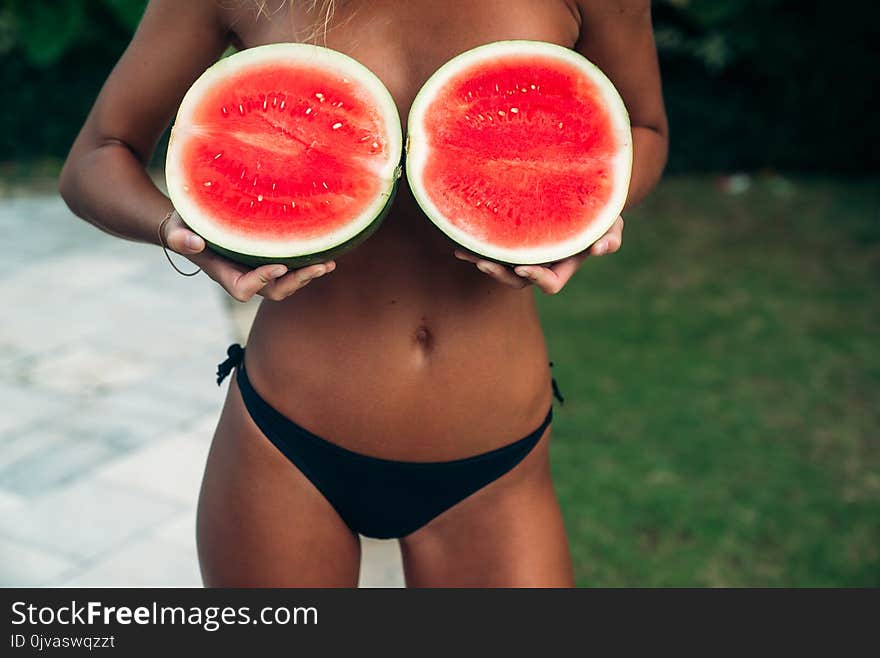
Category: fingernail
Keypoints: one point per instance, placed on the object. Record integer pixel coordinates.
(330, 266)
(599, 249)
(485, 268)
(281, 270)
(523, 272)
(193, 241)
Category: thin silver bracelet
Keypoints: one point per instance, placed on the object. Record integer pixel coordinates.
(165, 247)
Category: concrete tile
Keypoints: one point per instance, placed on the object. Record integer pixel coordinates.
(129, 418)
(197, 291)
(70, 272)
(10, 352)
(38, 329)
(159, 316)
(25, 566)
(170, 343)
(86, 519)
(202, 428)
(9, 500)
(64, 460)
(34, 439)
(180, 530)
(171, 467)
(82, 369)
(242, 315)
(56, 231)
(119, 428)
(149, 562)
(190, 388)
(381, 565)
(24, 405)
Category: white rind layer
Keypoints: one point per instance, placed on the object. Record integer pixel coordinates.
(302, 54)
(418, 149)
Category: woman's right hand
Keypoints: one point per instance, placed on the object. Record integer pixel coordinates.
(273, 282)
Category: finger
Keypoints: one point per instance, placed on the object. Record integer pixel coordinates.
(495, 270)
(222, 270)
(611, 241)
(243, 285)
(552, 279)
(565, 269)
(289, 283)
(466, 256)
(501, 273)
(605, 245)
(543, 277)
(240, 282)
(183, 241)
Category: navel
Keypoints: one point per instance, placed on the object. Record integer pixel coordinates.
(424, 338)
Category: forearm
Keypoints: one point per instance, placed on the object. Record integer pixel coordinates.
(650, 146)
(109, 187)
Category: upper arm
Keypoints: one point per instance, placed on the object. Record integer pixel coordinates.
(174, 43)
(618, 37)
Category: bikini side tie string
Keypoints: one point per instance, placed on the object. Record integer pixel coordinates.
(556, 392)
(235, 354)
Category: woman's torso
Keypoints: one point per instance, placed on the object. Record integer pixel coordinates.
(403, 351)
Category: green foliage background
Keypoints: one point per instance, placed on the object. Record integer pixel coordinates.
(750, 84)
(55, 56)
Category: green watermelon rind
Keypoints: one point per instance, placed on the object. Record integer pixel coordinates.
(416, 147)
(238, 248)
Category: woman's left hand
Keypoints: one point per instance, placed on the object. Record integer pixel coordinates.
(550, 279)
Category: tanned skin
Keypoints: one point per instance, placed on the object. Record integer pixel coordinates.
(403, 352)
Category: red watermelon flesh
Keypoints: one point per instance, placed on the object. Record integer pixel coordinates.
(520, 151)
(287, 152)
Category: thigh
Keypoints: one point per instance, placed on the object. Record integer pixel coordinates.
(261, 523)
(508, 534)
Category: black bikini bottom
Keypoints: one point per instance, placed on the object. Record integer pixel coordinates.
(377, 497)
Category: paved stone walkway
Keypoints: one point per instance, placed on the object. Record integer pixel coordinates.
(107, 407)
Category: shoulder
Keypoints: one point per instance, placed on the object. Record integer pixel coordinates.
(233, 13)
(203, 16)
(605, 9)
(165, 23)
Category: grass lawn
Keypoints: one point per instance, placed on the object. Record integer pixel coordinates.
(722, 382)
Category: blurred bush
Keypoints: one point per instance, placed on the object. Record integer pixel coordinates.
(771, 83)
(56, 55)
(749, 84)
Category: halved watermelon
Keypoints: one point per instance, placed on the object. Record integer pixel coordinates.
(520, 151)
(286, 153)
